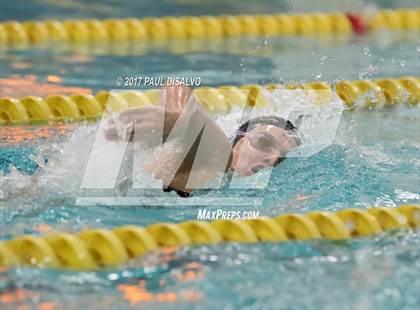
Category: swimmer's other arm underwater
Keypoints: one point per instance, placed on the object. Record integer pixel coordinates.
(188, 131)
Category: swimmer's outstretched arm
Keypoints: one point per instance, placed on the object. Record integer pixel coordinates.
(214, 149)
(176, 106)
(148, 119)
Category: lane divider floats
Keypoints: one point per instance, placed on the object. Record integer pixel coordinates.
(79, 107)
(96, 248)
(158, 29)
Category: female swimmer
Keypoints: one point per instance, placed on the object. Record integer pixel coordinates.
(258, 143)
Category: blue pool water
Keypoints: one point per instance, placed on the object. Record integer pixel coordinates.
(374, 161)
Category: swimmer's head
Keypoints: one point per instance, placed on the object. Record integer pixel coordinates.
(262, 142)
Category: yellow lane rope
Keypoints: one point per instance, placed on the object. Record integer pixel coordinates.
(13, 33)
(79, 107)
(95, 248)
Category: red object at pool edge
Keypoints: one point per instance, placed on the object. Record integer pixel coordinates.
(357, 22)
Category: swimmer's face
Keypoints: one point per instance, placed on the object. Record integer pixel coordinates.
(260, 148)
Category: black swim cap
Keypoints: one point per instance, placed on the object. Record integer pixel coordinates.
(259, 121)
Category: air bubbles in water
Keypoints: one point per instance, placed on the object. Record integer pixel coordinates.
(367, 71)
(317, 76)
(113, 277)
(323, 59)
(242, 64)
(367, 52)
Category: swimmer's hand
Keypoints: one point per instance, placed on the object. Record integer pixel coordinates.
(146, 122)
(175, 98)
(149, 123)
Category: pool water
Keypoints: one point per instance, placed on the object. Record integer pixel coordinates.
(374, 161)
